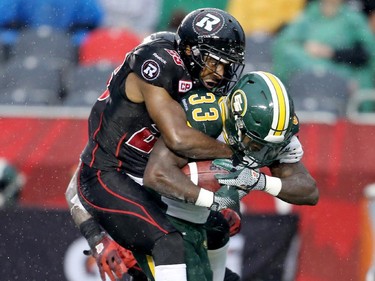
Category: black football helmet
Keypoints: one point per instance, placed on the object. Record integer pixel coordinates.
(214, 33)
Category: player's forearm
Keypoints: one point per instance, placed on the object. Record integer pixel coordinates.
(163, 174)
(171, 183)
(298, 186)
(170, 120)
(300, 191)
(196, 145)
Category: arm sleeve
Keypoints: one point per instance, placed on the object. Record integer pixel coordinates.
(292, 153)
(161, 66)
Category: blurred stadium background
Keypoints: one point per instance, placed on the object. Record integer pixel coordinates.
(51, 76)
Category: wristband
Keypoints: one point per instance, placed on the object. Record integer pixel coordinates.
(91, 230)
(205, 198)
(273, 185)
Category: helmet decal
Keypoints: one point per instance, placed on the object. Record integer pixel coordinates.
(208, 23)
(281, 104)
(239, 102)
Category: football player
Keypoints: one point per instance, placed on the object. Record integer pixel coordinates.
(260, 125)
(115, 260)
(140, 106)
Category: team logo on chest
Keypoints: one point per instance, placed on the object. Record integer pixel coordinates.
(208, 23)
(150, 70)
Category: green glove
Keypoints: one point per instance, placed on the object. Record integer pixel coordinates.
(226, 197)
(242, 177)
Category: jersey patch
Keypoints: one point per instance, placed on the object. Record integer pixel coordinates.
(184, 86)
(150, 70)
(208, 23)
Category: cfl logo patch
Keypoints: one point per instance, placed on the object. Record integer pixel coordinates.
(184, 86)
(208, 23)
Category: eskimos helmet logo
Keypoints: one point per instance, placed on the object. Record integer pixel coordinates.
(239, 102)
(208, 23)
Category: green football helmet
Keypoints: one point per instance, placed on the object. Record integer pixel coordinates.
(259, 118)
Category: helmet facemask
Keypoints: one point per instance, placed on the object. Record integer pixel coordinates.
(233, 67)
(250, 149)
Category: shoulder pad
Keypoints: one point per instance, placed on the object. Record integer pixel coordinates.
(159, 64)
(203, 111)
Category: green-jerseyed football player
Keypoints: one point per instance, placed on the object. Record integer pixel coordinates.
(257, 120)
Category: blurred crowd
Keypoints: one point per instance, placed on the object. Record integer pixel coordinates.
(62, 52)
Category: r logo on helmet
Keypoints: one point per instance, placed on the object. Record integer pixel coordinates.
(208, 23)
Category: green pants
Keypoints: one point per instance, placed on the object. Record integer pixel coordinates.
(195, 242)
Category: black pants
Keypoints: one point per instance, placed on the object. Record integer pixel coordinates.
(132, 215)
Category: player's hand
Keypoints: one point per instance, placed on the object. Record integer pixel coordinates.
(233, 219)
(242, 177)
(109, 258)
(226, 197)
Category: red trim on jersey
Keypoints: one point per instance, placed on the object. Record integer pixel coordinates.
(118, 149)
(99, 126)
(93, 155)
(146, 218)
(94, 137)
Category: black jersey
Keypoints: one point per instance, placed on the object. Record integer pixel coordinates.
(121, 132)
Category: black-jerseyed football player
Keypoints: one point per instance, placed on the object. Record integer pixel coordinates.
(141, 105)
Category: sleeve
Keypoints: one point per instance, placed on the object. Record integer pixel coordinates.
(292, 153)
(161, 66)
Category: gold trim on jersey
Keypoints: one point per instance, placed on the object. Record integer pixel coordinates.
(224, 113)
(151, 265)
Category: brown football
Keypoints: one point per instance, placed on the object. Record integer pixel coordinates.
(203, 173)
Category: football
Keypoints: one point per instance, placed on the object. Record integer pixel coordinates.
(203, 173)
